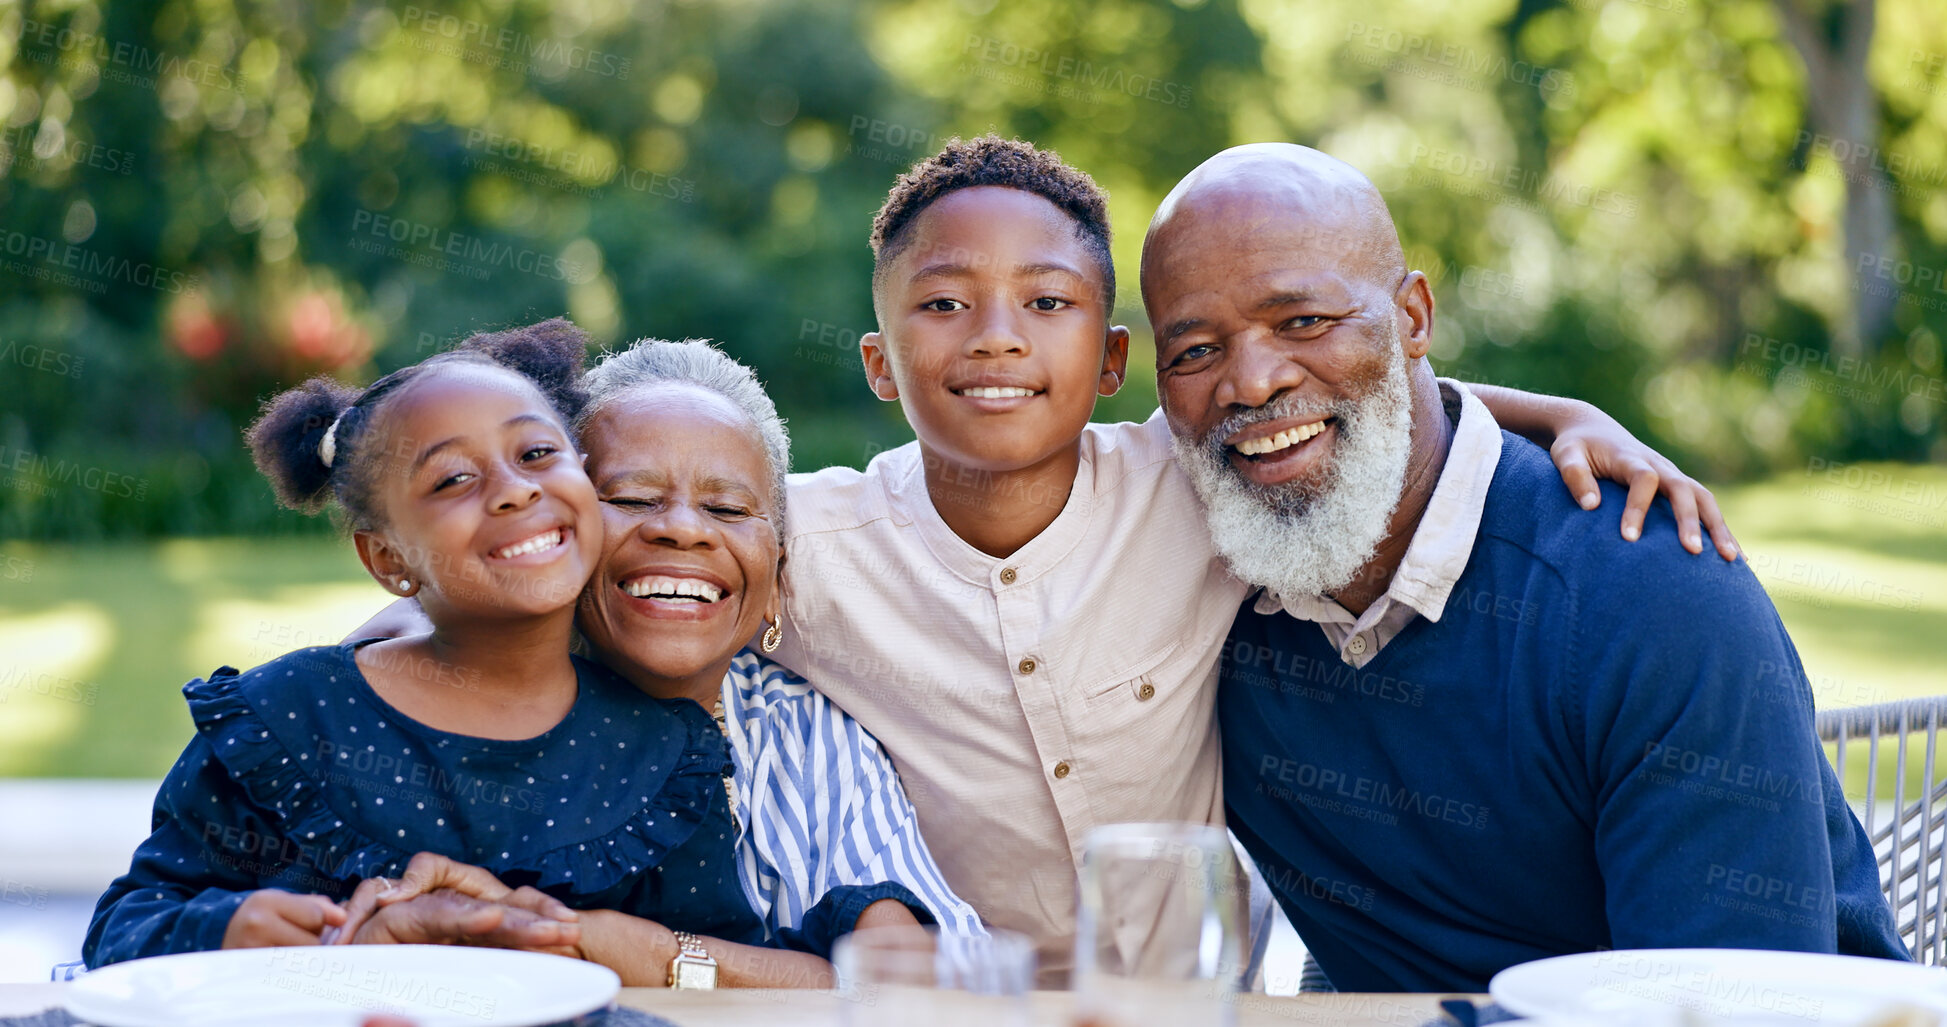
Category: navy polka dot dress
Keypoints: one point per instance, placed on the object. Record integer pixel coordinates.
(301, 778)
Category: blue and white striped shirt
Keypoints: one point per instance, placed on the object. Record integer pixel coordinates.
(820, 804)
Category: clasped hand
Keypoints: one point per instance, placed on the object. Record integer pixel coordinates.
(441, 901)
(438, 902)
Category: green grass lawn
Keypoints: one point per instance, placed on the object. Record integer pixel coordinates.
(96, 641)
(1859, 574)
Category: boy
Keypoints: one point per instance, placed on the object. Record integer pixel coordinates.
(1024, 607)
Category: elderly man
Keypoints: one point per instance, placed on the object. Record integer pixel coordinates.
(1464, 728)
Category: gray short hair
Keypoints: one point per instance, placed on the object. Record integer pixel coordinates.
(698, 363)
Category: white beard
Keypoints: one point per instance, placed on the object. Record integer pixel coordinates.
(1296, 539)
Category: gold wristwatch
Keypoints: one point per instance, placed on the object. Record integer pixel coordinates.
(692, 968)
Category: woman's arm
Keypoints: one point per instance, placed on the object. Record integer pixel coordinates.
(400, 618)
(1587, 444)
(640, 951)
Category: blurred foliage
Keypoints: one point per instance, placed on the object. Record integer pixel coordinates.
(205, 200)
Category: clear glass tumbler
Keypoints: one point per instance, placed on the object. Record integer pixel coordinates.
(1160, 938)
(905, 976)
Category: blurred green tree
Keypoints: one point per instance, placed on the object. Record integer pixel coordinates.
(1725, 222)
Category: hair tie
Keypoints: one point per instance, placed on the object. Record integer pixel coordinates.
(328, 446)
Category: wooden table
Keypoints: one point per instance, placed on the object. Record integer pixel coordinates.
(1051, 1008)
(754, 1008)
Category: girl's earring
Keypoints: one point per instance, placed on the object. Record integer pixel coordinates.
(405, 585)
(773, 637)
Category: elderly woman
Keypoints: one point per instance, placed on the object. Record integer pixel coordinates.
(688, 456)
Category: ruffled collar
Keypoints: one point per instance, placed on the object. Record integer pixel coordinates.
(265, 727)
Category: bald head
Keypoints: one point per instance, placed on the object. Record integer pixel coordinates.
(1272, 275)
(1247, 192)
(1289, 361)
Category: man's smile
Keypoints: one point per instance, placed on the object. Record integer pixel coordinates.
(1284, 455)
(1262, 439)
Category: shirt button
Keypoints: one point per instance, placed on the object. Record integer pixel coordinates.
(1007, 575)
(1146, 692)
(1027, 666)
(1061, 769)
(1357, 646)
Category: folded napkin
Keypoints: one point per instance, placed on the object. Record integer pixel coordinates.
(1465, 1013)
(615, 1018)
(49, 1018)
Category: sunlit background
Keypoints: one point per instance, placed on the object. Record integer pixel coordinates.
(1724, 222)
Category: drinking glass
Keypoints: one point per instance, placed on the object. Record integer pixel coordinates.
(905, 976)
(1159, 939)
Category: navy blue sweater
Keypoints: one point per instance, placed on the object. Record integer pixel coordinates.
(1599, 745)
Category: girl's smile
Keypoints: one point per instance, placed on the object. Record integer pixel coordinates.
(536, 549)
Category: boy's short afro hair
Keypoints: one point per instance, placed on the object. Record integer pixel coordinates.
(991, 160)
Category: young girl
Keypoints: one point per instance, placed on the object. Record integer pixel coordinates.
(482, 740)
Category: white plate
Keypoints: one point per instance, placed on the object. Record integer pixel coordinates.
(1718, 984)
(335, 986)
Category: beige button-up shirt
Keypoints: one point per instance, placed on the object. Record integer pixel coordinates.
(1028, 699)
(1438, 553)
